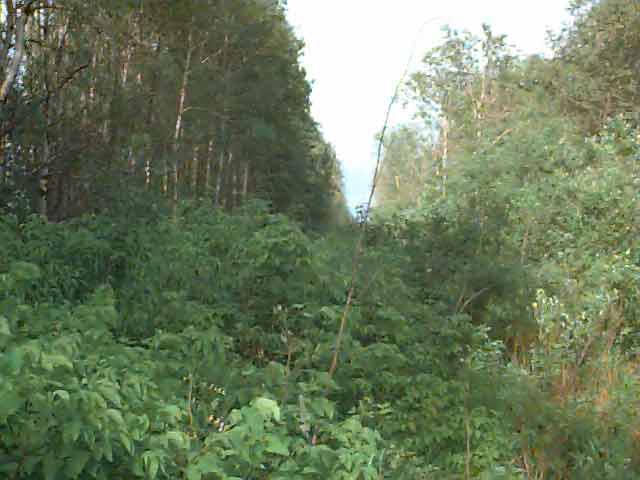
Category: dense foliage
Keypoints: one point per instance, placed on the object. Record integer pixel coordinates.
(189, 99)
(527, 221)
(494, 331)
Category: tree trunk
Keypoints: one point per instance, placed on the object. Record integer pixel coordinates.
(93, 85)
(11, 71)
(154, 155)
(43, 190)
(245, 182)
(207, 172)
(217, 199)
(445, 154)
(10, 17)
(194, 170)
(234, 187)
(181, 101)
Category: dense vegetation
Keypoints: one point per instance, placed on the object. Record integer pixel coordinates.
(190, 99)
(494, 328)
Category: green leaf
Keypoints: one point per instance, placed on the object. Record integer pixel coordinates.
(153, 467)
(10, 402)
(322, 407)
(9, 469)
(50, 466)
(13, 360)
(115, 416)
(51, 361)
(107, 450)
(178, 438)
(151, 464)
(193, 472)
(110, 392)
(330, 313)
(75, 465)
(277, 445)
(172, 411)
(24, 271)
(71, 431)
(63, 394)
(126, 442)
(206, 464)
(267, 407)
(4, 327)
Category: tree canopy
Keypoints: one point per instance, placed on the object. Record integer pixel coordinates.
(192, 99)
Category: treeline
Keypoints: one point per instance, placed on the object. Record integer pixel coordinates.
(474, 93)
(516, 192)
(130, 99)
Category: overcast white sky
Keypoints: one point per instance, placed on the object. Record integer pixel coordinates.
(357, 50)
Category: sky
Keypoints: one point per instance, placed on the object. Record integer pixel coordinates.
(357, 50)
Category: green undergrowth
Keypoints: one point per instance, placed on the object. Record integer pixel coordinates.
(197, 347)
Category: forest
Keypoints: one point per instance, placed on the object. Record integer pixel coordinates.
(184, 293)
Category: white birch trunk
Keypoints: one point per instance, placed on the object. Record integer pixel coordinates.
(194, 169)
(207, 173)
(178, 128)
(245, 182)
(445, 154)
(11, 71)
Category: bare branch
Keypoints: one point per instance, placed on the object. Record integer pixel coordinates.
(472, 298)
(70, 76)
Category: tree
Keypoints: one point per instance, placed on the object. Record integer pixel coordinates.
(410, 166)
(597, 64)
(147, 97)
